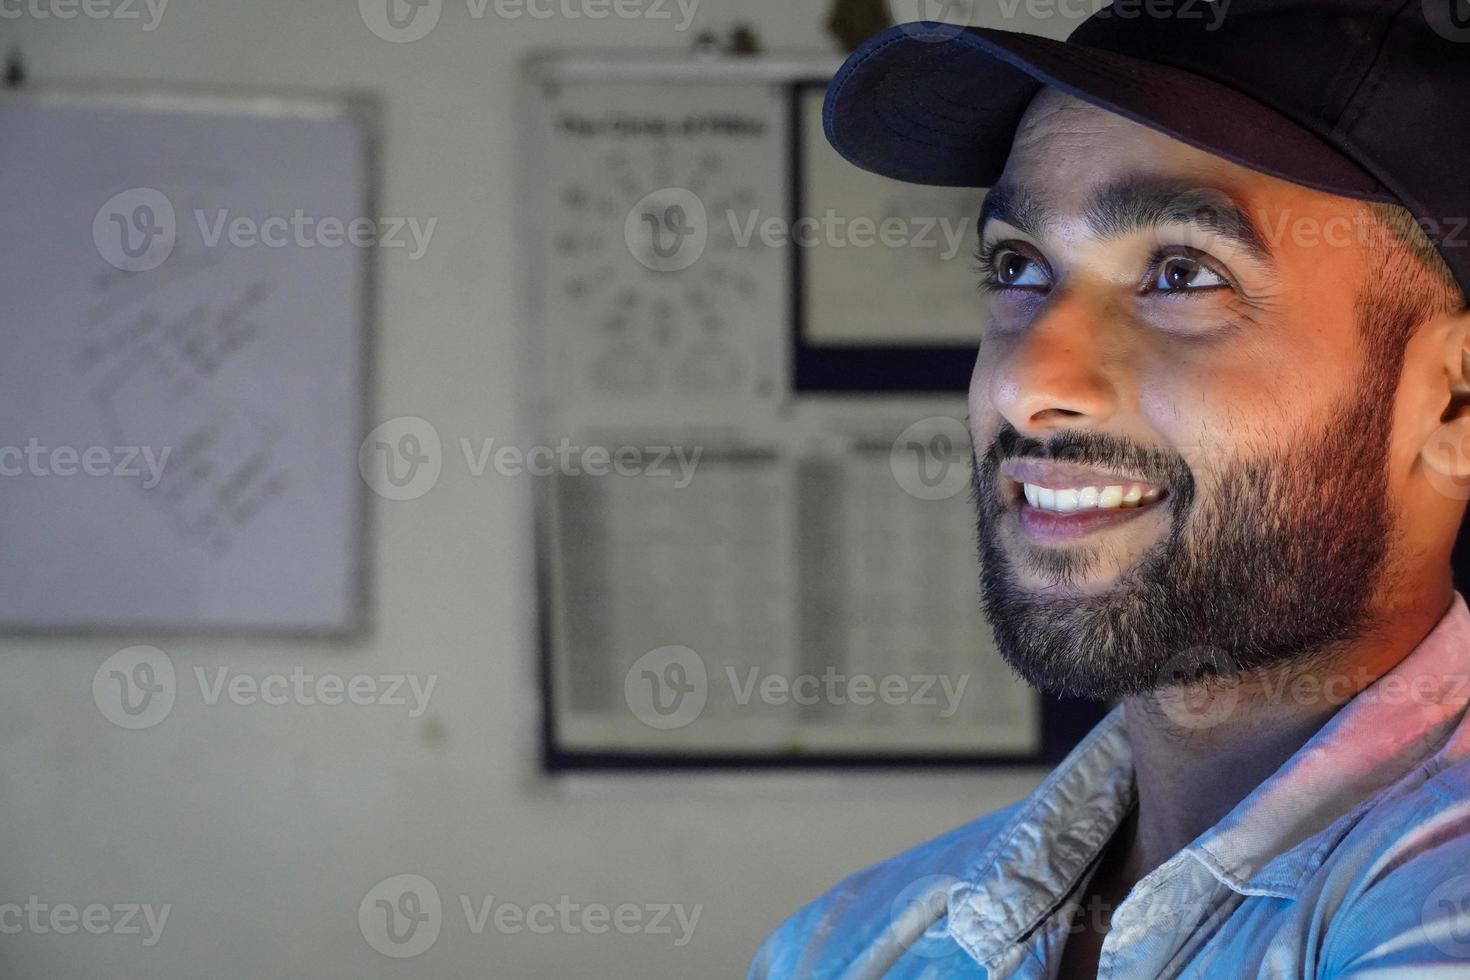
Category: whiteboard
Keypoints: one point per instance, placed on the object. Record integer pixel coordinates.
(181, 403)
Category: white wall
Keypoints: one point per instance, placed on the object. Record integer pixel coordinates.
(264, 827)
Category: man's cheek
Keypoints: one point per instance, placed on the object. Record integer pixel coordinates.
(977, 376)
(1182, 413)
(1199, 459)
(984, 425)
(984, 420)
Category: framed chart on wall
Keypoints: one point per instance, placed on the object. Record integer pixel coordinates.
(764, 555)
(885, 296)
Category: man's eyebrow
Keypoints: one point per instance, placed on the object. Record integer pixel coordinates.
(1138, 203)
(1017, 207)
(1132, 204)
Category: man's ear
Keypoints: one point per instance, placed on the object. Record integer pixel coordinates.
(1447, 450)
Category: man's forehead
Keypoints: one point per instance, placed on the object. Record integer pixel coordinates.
(1052, 108)
(1076, 163)
(1125, 203)
(1066, 144)
(1054, 116)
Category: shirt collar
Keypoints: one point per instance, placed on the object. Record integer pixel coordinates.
(1395, 724)
(1052, 839)
(1379, 736)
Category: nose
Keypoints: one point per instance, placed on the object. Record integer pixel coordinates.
(1058, 372)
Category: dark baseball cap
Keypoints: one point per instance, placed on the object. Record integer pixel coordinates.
(1367, 99)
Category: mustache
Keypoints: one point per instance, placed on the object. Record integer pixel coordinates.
(1163, 467)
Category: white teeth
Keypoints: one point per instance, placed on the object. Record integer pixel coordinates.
(1088, 498)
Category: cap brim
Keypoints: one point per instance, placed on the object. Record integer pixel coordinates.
(937, 104)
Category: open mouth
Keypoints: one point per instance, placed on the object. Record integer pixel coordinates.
(1067, 500)
(1061, 501)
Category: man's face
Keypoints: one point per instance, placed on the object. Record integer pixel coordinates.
(1182, 443)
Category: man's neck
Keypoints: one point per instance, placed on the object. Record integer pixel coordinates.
(1198, 753)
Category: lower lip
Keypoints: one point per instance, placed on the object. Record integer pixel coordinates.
(1048, 525)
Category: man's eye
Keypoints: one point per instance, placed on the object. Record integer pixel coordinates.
(1017, 270)
(1179, 273)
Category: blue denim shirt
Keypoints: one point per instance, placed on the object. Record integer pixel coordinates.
(1353, 859)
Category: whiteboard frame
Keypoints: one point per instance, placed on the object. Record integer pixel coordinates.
(364, 111)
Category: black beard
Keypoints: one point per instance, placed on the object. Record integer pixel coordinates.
(1275, 565)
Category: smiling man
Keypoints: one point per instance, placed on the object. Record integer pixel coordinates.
(1222, 425)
